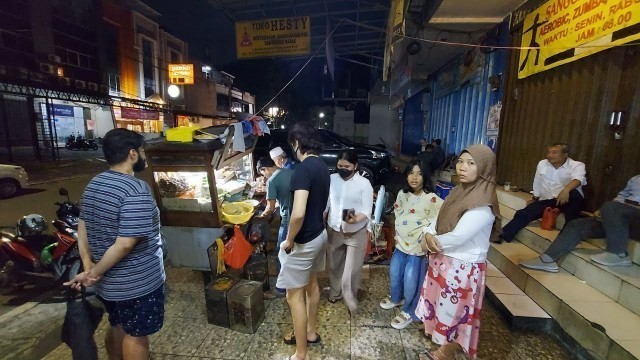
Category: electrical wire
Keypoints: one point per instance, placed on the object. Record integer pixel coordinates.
(453, 43)
(302, 68)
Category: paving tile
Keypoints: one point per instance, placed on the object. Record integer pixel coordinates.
(183, 279)
(619, 322)
(267, 343)
(549, 302)
(376, 343)
(493, 271)
(630, 346)
(568, 287)
(582, 331)
(600, 279)
(225, 344)
(503, 286)
(522, 305)
(335, 345)
(189, 304)
(183, 336)
(333, 314)
(415, 342)
(630, 297)
(277, 311)
(371, 314)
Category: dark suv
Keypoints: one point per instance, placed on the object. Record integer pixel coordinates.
(374, 162)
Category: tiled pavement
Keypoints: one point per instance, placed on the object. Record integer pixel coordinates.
(187, 335)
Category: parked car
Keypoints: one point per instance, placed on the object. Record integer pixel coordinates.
(375, 162)
(12, 179)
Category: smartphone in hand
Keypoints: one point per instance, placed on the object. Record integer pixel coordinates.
(346, 213)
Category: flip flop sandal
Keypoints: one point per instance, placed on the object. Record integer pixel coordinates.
(290, 339)
(401, 321)
(334, 300)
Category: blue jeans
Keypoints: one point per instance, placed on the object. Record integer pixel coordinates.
(406, 275)
(282, 236)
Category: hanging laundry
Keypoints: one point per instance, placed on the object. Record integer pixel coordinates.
(238, 138)
(247, 126)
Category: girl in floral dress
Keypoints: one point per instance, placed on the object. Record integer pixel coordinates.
(416, 208)
(453, 290)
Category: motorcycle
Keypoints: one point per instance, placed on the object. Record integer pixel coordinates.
(80, 143)
(31, 252)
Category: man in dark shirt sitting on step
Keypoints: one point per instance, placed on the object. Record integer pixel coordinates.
(611, 221)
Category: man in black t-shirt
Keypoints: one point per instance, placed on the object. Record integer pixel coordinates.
(302, 254)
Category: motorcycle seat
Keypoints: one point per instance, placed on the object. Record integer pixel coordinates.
(7, 234)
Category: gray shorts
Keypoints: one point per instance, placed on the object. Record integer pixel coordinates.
(303, 260)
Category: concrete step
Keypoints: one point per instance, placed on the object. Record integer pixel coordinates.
(620, 283)
(510, 202)
(605, 329)
(520, 311)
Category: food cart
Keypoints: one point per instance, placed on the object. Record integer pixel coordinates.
(191, 180)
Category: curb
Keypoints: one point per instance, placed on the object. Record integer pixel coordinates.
(18, 311)
(60, 179)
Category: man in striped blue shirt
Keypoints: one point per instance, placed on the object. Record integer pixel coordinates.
(120, 246)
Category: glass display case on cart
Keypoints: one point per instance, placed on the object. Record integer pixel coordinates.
(190, 181)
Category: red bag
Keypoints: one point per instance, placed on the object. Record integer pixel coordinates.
(237, 250)
(549, 217)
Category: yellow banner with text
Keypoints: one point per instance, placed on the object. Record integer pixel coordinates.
(562, 31)
(273, 37)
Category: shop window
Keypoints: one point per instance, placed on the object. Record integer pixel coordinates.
(175, 57)
(72, 58)
(114, 84)
(148, 68)
(83, 61)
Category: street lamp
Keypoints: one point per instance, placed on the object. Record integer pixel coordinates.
(321, 115)
(174, 91)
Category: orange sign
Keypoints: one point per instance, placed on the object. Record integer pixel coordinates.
(181, 74)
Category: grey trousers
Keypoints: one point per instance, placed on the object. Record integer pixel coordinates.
(614, 226)
(346, 253)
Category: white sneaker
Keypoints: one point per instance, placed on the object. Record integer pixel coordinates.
(387, 304)
(609, 259)
(401, 321)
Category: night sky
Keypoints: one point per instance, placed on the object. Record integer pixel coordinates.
(210, 35)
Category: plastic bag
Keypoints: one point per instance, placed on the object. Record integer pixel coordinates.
(237, 250)
(549, 218)
(80, 323)
(255, 235)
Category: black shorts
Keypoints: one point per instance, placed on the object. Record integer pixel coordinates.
(140, 316)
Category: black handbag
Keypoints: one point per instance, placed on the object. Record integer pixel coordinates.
(80, 323)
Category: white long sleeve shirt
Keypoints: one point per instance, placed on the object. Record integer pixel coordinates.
(469, 240)
(549, 181)
(355, 193)
(631, 191)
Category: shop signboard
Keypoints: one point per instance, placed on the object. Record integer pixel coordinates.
(273, 37)
(562, 31)
(397, 6)
(63, 110)
(139, 114)
(181, 74)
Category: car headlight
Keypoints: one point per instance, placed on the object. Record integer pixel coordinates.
(377, 154)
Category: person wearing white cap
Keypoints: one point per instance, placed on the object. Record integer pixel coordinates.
(280, 158)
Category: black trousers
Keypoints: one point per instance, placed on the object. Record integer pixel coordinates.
(533, 211)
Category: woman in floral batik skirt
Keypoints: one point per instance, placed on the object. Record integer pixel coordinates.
(453, 289)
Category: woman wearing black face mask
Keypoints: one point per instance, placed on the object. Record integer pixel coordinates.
(348, 215)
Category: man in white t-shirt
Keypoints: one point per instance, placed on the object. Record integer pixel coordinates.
(558, 184)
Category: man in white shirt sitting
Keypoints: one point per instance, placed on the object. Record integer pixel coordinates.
(558, 183)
